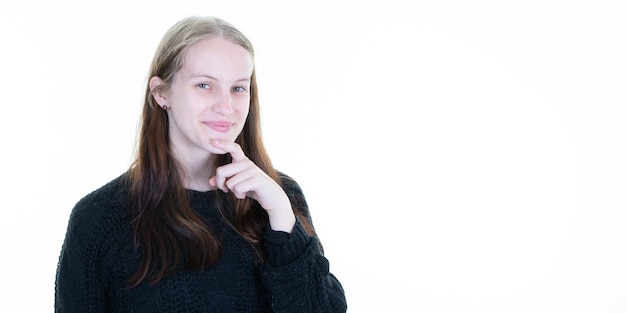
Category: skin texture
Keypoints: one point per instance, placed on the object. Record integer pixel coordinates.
(207, 105)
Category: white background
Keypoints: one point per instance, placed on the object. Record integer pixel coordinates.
(458, 156)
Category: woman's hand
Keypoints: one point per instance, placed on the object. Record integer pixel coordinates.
(244, 179)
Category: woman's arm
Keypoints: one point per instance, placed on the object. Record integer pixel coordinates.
(79, 285)
(296, 273)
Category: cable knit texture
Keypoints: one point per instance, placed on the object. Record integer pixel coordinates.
(98, 257)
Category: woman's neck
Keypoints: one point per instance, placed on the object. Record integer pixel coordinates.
(197, 170)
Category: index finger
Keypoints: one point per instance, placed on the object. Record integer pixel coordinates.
(231, 147)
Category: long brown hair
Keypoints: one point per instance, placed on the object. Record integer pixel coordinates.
(167, 232)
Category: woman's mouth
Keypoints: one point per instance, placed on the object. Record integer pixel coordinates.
(219, 126)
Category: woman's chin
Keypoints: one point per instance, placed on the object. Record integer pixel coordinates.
(213, 149)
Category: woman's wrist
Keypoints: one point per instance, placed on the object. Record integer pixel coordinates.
(282, 217)
(282, 221)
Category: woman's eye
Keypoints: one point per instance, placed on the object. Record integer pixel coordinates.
(239, 89)
(204, 86)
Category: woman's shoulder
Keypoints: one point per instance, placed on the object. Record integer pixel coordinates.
(288, 182)
(294, 192)
(111, 194)
(101, 210)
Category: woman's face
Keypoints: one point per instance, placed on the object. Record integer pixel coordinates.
(209, 97)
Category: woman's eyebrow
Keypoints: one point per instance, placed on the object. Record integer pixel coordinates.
(245, 79)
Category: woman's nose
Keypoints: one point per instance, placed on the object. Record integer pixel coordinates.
(224, 104)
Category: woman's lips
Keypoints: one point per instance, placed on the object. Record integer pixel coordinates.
(221, 127)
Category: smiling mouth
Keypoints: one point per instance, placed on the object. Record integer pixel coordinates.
(221, 127)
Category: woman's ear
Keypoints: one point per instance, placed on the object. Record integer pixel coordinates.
(156, 87)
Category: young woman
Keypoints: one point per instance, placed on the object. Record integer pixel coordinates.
(201, 222)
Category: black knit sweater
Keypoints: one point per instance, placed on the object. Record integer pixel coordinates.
(98, 257)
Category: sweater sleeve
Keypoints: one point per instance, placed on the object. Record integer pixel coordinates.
(79, 277)
(91, 270)
(296, 273)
